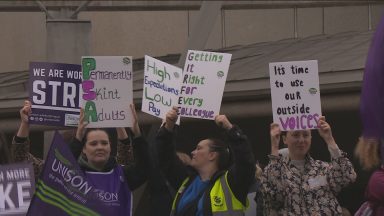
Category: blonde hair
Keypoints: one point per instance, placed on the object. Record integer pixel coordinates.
(367, 151)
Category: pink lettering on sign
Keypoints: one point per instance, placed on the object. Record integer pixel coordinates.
(87, 89)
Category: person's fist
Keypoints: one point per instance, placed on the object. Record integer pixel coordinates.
(171, 118)
(223, 122)
(26, 111)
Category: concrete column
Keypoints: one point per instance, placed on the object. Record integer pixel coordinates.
(68, 40)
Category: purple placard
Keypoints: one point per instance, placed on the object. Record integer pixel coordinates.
(54, 91)
(17, 185)
(64, 189)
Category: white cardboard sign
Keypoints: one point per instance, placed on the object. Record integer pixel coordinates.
(161, 87)
(107, 90)
(203, 82)
(295, 94)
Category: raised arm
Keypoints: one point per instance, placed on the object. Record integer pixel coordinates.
(172, 167)
(325, 132)
(20, 144)
(125, 145)
(122, 133)
(124, 154)
(76, 144)
(23, 131)
(272, 185)
(242, 173)
(341, 172)
(136, 173)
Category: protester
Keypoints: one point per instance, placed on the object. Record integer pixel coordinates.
(300, 185)
(92, 148)
(21, 145)
(211, 185)
(370, 152)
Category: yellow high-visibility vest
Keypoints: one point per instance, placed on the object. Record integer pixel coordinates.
(223, 202)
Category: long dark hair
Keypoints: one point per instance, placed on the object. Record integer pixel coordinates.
(219, 146)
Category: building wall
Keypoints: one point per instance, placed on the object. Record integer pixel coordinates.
(341, 19)
(157, 33)
(137, 33)
(22, 39)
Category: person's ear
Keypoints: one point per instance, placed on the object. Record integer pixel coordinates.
(83, 150)
(212, 156)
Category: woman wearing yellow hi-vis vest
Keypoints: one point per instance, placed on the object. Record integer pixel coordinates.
(217, 180)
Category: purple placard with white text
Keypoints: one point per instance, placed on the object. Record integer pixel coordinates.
(17, 185)
(54, 91)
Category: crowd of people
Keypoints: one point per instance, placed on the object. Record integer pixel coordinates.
(218, 176)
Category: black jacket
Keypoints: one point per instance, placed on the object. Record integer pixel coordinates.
(240, 174)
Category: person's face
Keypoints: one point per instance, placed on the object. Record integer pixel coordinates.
(202, 155)
(298, 143)
(97, 148)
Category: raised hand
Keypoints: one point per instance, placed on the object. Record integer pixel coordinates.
(275, 133)
(171, 118)
(325, 131)
(81, 126)
(25, 112)
(223, 122)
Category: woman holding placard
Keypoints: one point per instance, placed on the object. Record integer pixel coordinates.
(298, 184)
(92, 148)
(210, 185)
(21, 145)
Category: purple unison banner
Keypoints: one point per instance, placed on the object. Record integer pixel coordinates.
(17, 185)
(54, 91)
(64, 189)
